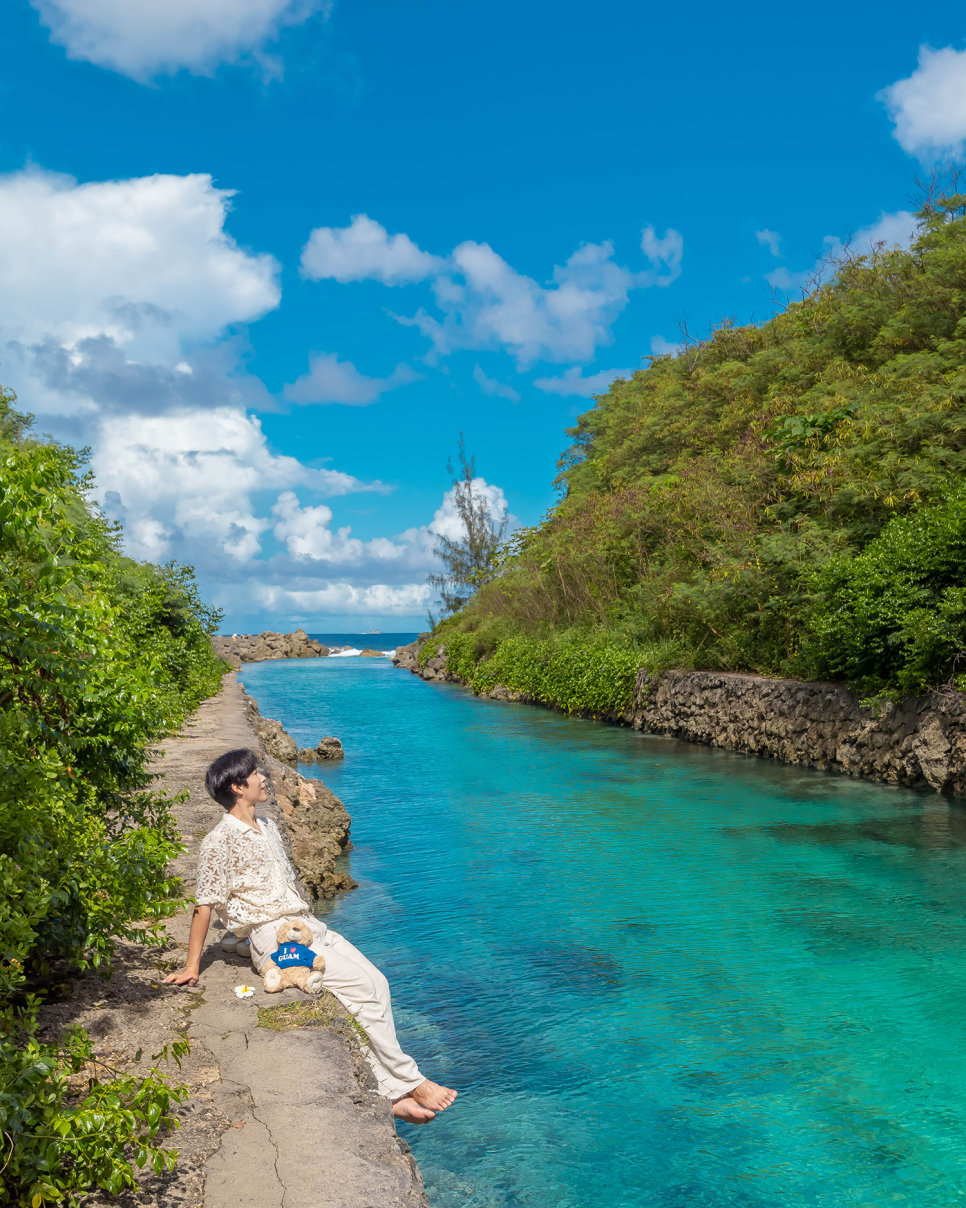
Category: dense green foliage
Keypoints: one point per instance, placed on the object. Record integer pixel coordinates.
(99, 658)
(715, 503)
(582, 674)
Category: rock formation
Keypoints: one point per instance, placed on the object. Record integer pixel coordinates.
(277, 742)
(371, 654)
(256, 647)
(318, 828)
(920, 742)
(316, 822)
(327, 748)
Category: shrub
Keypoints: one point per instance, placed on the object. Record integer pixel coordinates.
(99, 658)
(894, 616)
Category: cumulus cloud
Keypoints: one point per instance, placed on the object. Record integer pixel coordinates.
(571, 382)
(375, 600)
(158, 37)
(929, 106)
(330, 571)
(307, 534)
(117, 317)
(494, 388)
(365, 251)
(112, 287)
(770, 240)
(487, 304)
(330, 380)
(185, 483)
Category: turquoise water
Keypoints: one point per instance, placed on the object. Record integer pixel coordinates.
(658, 974)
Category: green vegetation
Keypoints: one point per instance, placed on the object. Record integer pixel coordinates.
(320, 1011)
(782, 498)
(99, 658)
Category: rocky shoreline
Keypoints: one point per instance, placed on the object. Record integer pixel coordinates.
(316, 820)
(920, 742)
(257, 647)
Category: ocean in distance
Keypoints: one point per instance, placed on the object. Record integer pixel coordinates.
(659, 975)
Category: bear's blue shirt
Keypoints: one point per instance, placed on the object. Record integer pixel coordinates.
(291, 955)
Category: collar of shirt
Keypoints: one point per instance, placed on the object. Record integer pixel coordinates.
(237, 824)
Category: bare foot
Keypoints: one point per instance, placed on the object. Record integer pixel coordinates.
(408, 1109)
(430, 1094)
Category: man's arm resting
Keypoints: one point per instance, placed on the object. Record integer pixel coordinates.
(196, 941)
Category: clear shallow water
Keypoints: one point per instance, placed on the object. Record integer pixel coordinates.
(658, 974)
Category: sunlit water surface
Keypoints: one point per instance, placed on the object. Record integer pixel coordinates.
(658, 974)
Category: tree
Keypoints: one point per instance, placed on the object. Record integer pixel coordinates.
(471, 561)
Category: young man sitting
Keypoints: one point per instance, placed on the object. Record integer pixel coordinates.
(246, 878)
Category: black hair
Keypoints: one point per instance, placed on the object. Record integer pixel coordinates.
(234, 767)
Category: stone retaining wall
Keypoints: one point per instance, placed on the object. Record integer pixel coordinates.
(920, 742)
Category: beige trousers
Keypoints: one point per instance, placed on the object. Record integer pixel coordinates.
(362, 990)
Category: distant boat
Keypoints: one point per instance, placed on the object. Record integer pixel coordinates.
(365, 631)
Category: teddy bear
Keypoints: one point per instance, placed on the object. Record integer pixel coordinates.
(293, 963)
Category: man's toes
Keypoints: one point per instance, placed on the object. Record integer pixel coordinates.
(414, 1113)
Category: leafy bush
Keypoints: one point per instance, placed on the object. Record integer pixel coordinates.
(99, 658)
(894, 616)
(576, 671)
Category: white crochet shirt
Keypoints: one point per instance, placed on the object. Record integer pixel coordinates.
(245, 876)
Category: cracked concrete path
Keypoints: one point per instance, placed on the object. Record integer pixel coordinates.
(305, 1125)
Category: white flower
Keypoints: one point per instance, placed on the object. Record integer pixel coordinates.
(244, 991)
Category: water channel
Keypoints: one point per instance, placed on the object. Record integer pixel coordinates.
(658, 974)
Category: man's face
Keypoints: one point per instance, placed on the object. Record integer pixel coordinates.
(253, 790)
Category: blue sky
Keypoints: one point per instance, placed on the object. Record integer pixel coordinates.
(267, 258)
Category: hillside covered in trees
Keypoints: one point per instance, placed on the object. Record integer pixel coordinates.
(100, 657)
(785, 498)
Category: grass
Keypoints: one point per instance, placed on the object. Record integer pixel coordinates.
(319, 1011)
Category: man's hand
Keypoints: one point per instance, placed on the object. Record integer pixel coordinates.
(196, 941)
(187, 977)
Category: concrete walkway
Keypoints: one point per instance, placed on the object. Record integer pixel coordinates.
(306, 1128)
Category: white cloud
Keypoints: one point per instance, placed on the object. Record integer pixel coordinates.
(897, 229)
(446, 520)
(330, 380)
(769, 239)
(667, 252)
(929, 107)
(893, 230)
(326, 571)
(307, 534)
(116, 325)
(571, 382)
(365, 251)
(787, 282)
(487, 304)
(663, 348)
(112, 289)
(379, 599)
(183, 483)
(494, 388)
(145, 38)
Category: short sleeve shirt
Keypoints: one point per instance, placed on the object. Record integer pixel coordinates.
(245, 876)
